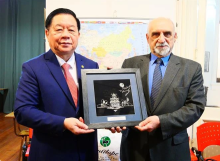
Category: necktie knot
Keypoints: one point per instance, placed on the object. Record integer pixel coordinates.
(158, 61)
(65, 66)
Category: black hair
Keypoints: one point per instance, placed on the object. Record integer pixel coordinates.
(60, 11)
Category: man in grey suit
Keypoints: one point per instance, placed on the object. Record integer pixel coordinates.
(173, 104)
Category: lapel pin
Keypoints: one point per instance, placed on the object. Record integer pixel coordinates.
(82, 66)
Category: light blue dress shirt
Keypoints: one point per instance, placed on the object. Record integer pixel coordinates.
(152, 66)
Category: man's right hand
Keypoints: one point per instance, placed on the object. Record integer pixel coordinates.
(76, 126)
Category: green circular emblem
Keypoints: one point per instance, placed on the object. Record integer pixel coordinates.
(105, 141)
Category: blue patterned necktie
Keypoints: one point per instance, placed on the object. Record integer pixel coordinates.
(157, 79)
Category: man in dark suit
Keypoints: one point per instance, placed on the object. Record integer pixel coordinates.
(175, 103)
(49, 96)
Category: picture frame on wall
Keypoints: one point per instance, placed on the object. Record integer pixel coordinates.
(113, 97)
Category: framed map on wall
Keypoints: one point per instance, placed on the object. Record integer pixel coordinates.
(110, 41)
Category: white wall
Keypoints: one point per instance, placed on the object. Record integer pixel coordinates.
(218, 74)
(211, 45)
(191, 20)
(117, 8)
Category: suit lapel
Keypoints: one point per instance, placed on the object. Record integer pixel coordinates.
(144, 68)
(57, 73)
(171, 71)
(79, 65)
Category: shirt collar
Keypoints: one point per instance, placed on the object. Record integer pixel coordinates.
(164, 59)
(71, 61)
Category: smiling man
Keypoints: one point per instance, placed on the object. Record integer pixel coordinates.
(49, 97)
(174, 94)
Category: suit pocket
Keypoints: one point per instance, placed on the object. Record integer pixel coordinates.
(180, 138)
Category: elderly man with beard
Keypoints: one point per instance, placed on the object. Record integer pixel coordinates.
(174, 94)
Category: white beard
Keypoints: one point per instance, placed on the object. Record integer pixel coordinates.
(163, 52)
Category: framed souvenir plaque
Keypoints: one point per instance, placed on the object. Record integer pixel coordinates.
(113, 97)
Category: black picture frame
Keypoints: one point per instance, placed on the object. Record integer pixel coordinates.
(113, 97)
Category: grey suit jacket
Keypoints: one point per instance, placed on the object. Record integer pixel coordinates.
(180, 103)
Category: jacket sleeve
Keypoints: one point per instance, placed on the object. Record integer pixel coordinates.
(177, 121)
(27, 101)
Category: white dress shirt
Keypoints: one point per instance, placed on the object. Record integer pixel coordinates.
(72, 69)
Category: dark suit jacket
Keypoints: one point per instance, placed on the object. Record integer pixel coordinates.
(179, 104)
(43, 101)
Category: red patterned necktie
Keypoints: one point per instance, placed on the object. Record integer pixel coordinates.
(71, 83)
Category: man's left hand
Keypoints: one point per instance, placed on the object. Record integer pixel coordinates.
(149, 124)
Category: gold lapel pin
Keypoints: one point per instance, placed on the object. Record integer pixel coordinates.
(82, 66)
